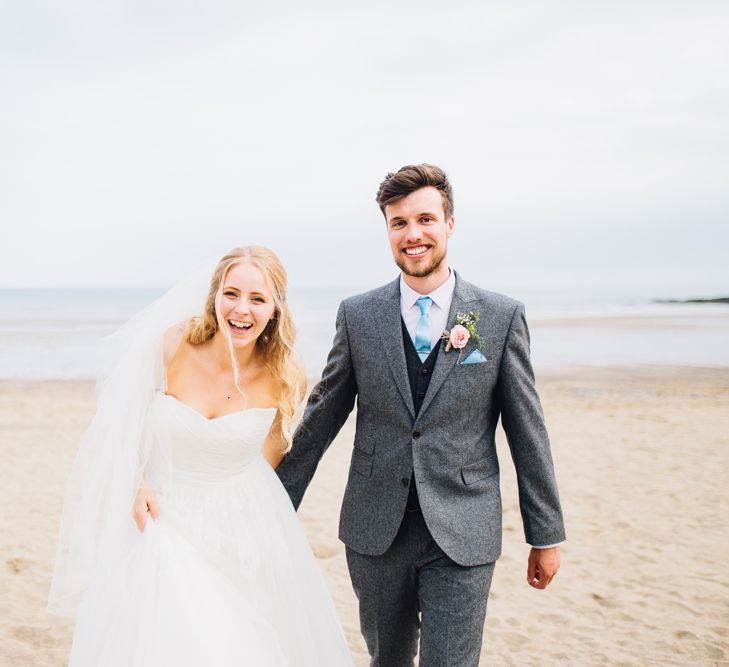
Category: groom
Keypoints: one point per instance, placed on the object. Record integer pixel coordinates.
(421, 516)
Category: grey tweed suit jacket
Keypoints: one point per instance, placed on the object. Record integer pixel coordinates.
(449, 446)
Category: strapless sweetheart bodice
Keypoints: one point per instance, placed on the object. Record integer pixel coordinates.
(210, 449)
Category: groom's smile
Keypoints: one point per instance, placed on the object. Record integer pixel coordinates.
(417, 250)
(418, 231)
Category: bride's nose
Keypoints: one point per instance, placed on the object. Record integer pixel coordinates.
(242, 307)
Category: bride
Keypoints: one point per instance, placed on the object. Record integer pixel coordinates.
(193, 414)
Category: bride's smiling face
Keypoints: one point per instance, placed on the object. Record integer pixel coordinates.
(246, 304)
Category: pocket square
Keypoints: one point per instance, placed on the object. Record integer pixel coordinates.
(474, 358)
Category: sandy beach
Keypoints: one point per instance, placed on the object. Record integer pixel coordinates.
(642, 458)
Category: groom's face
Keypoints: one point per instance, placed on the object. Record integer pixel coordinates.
(419, 231)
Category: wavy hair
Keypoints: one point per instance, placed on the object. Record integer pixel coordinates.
(275, 344)
(410, 178)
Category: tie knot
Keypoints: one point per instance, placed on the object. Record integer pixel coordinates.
(424, 303)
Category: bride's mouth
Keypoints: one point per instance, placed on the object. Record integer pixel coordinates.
(240, 327)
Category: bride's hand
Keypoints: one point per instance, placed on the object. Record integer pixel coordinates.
(144, 502)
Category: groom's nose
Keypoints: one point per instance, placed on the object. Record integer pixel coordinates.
(413, 232)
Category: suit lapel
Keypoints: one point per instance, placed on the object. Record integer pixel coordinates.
(390, 329)
(446, 361)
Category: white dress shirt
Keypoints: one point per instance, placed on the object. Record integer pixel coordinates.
(442, 297)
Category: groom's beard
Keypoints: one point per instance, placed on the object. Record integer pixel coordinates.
(420, 271)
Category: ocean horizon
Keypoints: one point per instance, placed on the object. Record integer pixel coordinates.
(54, 333)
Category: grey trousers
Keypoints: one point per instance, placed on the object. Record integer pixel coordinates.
(414, 591)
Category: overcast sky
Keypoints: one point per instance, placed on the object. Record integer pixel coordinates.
(586, 141)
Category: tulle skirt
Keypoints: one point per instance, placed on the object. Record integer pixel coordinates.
(225, 578)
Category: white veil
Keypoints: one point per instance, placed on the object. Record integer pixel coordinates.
(114, 453)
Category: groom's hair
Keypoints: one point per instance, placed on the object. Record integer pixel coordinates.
(410, 178)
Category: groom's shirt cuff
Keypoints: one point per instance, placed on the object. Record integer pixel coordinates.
(548, 546)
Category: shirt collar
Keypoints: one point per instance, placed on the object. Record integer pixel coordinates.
(441, 295)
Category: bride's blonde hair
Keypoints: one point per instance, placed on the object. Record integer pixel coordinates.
(275, 344)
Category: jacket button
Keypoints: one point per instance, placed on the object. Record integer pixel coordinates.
(405, 481)
(416, 434)
(425, 371)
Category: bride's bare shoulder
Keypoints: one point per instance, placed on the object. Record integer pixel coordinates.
(173, 338)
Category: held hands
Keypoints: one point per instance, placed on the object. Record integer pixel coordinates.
(542, 566)
(144, 502)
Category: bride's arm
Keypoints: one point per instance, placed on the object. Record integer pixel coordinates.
(145, 501)
(274, 446)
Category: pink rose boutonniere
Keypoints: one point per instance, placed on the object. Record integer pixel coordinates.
(458, 337)
(462, 331)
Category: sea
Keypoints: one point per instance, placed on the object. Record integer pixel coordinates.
(48, 334)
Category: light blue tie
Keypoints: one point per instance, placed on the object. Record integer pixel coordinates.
(423, 332)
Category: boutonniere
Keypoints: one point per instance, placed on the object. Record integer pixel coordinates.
(463, 330)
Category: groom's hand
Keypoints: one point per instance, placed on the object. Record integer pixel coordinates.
(542, 566)
(144, 502)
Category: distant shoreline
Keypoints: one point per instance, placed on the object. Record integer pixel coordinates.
(718, 299)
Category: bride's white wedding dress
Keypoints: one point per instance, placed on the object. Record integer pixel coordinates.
(226, 577)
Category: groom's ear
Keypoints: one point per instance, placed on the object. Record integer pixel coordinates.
(451, 225)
